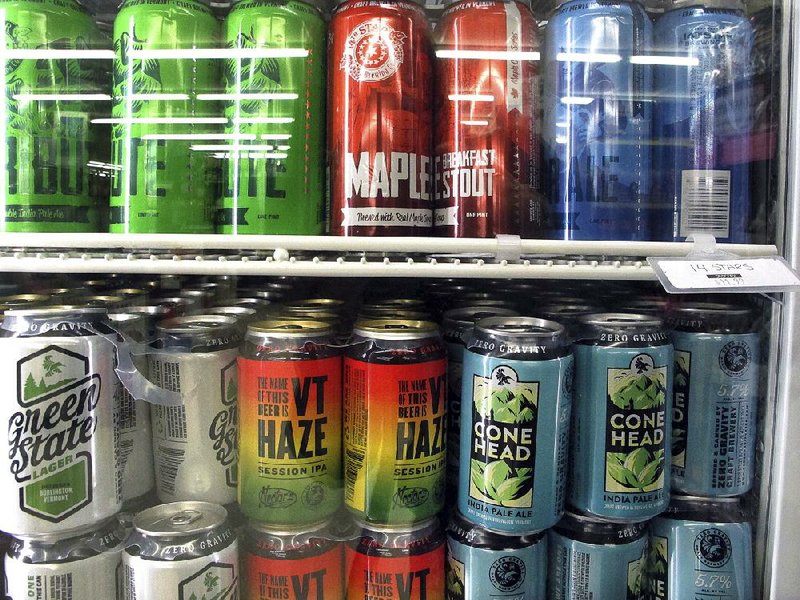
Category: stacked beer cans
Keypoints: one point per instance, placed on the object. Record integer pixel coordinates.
(645, 127)
(590, 453)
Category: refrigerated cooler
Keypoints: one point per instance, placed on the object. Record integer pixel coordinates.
(305, 300)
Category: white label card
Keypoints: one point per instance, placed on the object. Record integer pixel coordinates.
(760, 274)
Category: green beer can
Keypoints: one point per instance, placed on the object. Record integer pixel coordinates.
(49, 92)
(273, 173)
(166, 118)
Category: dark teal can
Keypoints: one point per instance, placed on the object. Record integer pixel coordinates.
(714, 399)
(620, 459)
(484, 565)
(516, 398)
(700, 548)
(596, 559)
(457, 326)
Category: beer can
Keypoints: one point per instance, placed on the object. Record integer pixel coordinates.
(195, 444)
(274, 184)
(181, 550)
(597, 153)
(715, 398)
(487, 165)
(83, 565)
(152, 314)
(596, 559)
(290, 407)
(179, 306)
(703, 125)
(135, 435)
(380, 119)
(516, 398)
(23, 301)
(621, 453)
(457, 326)
(310, 305)
(701, 548)
(406, 562)
(109, 302)
(243, 314)
(162, 102)
(395, 378)
(259, 305)
(482, 564)
(302, 564)
(62, 461)
(47, 140)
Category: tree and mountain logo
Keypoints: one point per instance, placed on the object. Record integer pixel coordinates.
(217, 581)
(454, 578)
(636, 405)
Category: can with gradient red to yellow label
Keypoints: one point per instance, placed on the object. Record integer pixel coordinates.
(395, 375)
(290, 411)
(302, 564)
(396, 563)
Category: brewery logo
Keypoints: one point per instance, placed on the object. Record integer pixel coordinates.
(507, 573)
(216, 581)
(734, 358)
(373, 51)
(50, 436)
(713, 547)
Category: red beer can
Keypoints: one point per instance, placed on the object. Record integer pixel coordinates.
(380, 126)
(487, 149)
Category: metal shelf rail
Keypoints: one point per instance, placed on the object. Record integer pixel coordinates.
(320, 256)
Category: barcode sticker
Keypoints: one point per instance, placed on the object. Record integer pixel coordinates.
(705, 203)
(168, 462)
(762, 274)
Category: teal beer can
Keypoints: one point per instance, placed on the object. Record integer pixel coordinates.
(619, 466)
(516, 397)
(714, 398)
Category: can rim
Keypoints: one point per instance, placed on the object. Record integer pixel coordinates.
(283, 531)
(56, 311)
(124, 317)
(620, 319)
(182, 516)
(229, 310)
(394, 329)
(512, 327)
(710, 308)
(470, 314)
(290, 328)
(402, 528)
(203, 324)
(146, 310)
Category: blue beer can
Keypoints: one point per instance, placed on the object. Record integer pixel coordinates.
(597, 125)
(482, 564)
(703, 121)
(595, 559)
(700, 548)
(516, 397)
(456, 328)
(619, 465)
(714, 398)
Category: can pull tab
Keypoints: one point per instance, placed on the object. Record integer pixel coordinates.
(185, 517)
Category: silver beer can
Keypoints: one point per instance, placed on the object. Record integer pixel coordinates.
(181, 550)
(136, 439)
(60, 462)
(83, 566)
(195, 445)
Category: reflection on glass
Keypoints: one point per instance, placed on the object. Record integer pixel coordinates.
(703, 122)
(274, 90)
(487, 133)
(50, 91)
(163, 186)
(597, 124)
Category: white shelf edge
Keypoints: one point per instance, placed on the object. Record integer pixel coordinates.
(427, 245)
(322, 268)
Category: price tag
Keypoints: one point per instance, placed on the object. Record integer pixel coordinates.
(760, 274)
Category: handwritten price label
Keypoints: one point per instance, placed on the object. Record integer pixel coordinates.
(763, 274)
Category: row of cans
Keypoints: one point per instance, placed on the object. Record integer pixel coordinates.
(700, 547)
(645, 134)
(265, 419)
